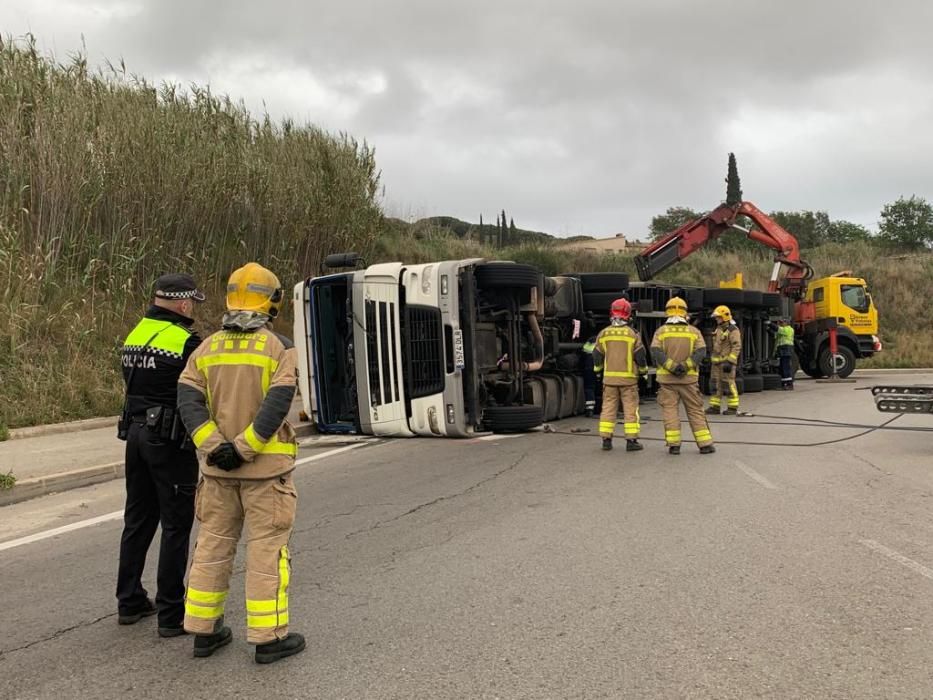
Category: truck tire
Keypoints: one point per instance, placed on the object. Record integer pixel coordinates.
(812, 371)
(771, 381)
(753, 299)
(507, 275)
(515, 419)
(753, 383)
(714, 296)
(845, 360)
(599, 302)
(616, 282)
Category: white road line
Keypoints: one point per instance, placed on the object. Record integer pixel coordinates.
(752, 474)
(497, 436)
(915, 566)
(117, 514)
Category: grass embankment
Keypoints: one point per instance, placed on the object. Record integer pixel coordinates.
(107, 182)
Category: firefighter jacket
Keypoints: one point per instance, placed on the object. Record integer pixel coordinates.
(678, 343)
(238, 387)
(620, 355)
(154, 355)
(727, 344)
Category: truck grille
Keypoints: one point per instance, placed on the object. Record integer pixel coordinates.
(425, 351)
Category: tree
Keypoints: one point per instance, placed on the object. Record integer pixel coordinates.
(842, 231)
(673, 218)
(513, 236)
(505, 230)
(810, 228)
(498, 232)
(733, 185)
(907, 223)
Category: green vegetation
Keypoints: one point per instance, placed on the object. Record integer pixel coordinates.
(7, 481)
(107, 181)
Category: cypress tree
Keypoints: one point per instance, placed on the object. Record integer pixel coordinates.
(733, 185)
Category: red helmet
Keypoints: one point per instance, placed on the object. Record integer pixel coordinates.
(621, 308)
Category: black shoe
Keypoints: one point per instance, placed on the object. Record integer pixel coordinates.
(131, 617)
(207, 644)
(588, 413)
(707, 450)
(674, 449)
(732, 412)
(168, 632)
(293, 644)
(712, 411)
(607, 443)
(633, 446)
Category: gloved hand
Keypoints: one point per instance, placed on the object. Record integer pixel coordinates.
(727, 366)
(680, 370)
(225, 457)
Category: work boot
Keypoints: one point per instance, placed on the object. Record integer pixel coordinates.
(293, 644)
(607, 444)
(633, 446)
(207, 644)
(588, 413)
(673, 449)
(707, 450)
(713, 411)
(132, 616)
(732, 412)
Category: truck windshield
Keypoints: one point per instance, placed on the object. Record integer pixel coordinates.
(855, 297)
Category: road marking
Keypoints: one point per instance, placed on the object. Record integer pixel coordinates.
(899, 558)
(117, 514)
(752, 474)
(497, 436)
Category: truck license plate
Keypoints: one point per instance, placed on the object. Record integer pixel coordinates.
(459, 361)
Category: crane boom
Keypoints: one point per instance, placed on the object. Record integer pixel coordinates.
(693, 235)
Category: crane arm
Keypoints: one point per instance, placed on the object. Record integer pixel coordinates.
(693, 235)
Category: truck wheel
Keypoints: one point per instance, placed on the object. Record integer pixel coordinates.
(616, 282)
(845, 362)
(753, 383)
(507, 275)
(714, 296)
(515, 419)
(812, 371)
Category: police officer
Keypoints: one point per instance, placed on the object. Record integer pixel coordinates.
(678, 349)
(161, 471)
(235, 395)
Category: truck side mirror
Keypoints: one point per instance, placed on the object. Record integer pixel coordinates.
(343, 260)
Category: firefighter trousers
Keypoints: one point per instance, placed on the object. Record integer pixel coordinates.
(627, 396)
(670, 396)
(222, 506)
(722, 384)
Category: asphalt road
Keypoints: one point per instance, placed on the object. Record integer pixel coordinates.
(538, 567)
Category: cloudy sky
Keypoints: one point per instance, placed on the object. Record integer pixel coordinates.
(576, 117)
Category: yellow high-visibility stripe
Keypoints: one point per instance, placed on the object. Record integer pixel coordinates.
(597, 368)
(237, 358)
(701, 435)
(672, 434)
(203, 433)
(275, 447)
(714, 402)
(624, 338)
(203, 613)
(267, 621)
(606, 427)
(267, 606)
(664, 335)
(205, 597)
(630, 375)
(632, 428)
(252, 439)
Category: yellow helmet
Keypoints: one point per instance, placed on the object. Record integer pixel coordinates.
(676, 307)
(254, 288)
(722, 312)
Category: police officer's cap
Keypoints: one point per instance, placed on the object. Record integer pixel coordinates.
(177, 286)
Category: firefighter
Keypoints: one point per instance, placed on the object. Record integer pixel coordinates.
(727, 344)
(677, 349)
(784, 346)
(161, 470)
(234, 396)
(619, 356)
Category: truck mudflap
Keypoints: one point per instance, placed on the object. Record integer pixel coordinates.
(903, 399)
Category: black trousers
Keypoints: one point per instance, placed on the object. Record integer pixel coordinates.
(787, 373)
(160, 484)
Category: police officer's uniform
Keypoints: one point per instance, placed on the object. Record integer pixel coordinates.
(161, 471)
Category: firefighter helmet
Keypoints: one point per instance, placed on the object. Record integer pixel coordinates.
(722, 313)
(621, 308)
(254, 288)
(676, 307)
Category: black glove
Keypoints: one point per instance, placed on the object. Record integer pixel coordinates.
(726, 366)
(680, 370)
(225, 457)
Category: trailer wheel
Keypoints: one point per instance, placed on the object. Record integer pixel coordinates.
(845, 362)
(507, 275)
(753, 383)
(714, 296)
(512, 419)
